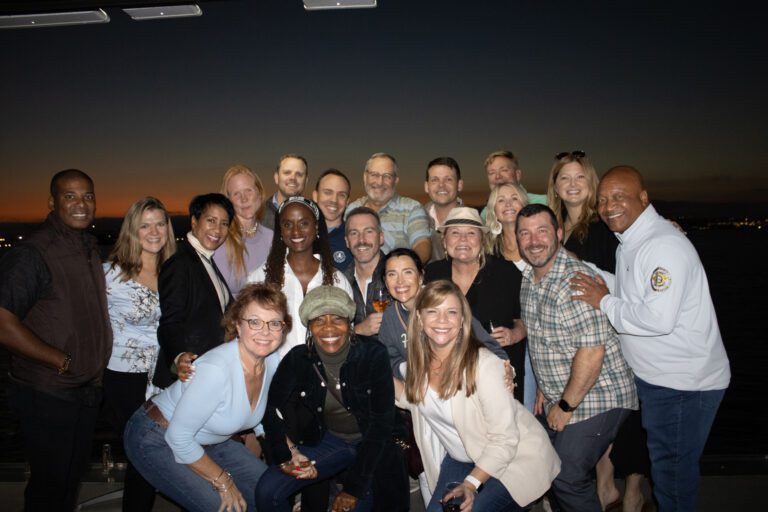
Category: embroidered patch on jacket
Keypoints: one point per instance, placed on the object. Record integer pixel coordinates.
(660, 279)
(339, 256)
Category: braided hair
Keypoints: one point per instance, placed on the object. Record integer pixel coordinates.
(274, 269)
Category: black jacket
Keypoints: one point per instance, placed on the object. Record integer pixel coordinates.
(190, 311)
(368, 393)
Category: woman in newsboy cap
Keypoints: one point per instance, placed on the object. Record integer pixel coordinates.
(331, 412)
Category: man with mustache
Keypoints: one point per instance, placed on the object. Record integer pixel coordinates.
(403, 220)
(585, 387)
(54, 321)
(659, 303)
(290, 177)
(364, 238)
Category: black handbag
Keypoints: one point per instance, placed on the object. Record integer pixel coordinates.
(411, 450)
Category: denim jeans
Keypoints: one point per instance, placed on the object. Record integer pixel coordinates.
(493, 496)
(147, 450)
(529, 389)
(678, 424)
(332, 456)
(579, 446)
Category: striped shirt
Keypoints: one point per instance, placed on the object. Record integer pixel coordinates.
(403, 221)
(558, 326)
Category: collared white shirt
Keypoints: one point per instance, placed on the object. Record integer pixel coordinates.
(295, 295)
(661, 307)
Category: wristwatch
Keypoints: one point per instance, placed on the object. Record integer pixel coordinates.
(565, 406)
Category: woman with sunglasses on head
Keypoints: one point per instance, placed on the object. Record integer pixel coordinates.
(181, 439)
(572, 195)
(331, 413)
(144, 243)
(299, 260)
(248, 243)
(497, 451)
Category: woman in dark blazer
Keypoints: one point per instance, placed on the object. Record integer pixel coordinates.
(193, 293)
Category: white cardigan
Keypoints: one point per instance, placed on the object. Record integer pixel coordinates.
(498, 433)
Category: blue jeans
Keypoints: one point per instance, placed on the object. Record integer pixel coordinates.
(332, 456)
(678, 424)
(147, 450)
(579, 446)
(493, 496)
(529, 388)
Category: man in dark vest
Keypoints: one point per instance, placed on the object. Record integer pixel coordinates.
(54, 321)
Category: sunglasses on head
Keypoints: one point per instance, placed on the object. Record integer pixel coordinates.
(577, 153)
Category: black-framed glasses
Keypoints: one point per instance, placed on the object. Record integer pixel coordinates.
(257, 324)
(576, 153)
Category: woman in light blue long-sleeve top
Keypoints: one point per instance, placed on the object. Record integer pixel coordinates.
(181, 440)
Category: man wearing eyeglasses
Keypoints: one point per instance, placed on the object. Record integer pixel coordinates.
(403, 220)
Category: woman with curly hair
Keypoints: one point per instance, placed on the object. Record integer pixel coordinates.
(299, 260)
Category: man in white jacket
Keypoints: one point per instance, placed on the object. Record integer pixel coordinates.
(659, 303)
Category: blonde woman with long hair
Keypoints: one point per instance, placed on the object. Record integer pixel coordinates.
(145, 242)
(495, 448)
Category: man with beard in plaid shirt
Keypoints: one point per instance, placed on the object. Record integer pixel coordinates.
(586, 388)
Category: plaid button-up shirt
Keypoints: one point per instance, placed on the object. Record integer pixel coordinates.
(558, 327)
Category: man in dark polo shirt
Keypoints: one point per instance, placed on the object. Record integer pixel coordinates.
(54, 321)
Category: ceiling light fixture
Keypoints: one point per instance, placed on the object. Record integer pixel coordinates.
(316, 5)
(53, 19)
(163, 12)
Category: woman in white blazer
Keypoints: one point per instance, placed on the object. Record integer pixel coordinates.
(494, 447)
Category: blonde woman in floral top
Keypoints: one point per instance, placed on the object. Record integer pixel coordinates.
(146, 240)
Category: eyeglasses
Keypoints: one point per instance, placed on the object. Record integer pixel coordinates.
(378, 176)
(576, 153)
(257, 324)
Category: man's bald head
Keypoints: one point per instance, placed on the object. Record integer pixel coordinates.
(621, 197)
(626, 172)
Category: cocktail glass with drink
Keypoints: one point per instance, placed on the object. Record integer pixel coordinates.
(380, 300)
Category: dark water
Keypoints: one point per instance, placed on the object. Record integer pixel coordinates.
(735, 261)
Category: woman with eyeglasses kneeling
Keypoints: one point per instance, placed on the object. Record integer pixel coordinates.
(181, 439)
(498, 456)
(331, 413)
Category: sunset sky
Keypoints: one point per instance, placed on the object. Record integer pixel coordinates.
(164, 107)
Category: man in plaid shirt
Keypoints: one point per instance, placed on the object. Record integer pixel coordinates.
(586, 388)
